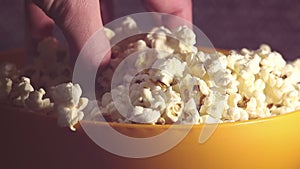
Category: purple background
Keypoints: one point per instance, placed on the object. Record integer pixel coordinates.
(230, 24)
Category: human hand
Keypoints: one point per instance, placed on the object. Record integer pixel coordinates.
(79, 19)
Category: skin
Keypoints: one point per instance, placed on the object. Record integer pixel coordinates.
(79, 19)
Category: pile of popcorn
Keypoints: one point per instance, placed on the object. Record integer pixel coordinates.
(49, 72)
(177, 83)
(170, 81)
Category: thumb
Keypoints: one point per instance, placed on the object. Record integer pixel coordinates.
(78, 20)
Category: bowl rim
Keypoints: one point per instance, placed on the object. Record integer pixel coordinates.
(165, 126)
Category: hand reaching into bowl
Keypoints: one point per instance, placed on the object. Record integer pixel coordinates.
(79, 19)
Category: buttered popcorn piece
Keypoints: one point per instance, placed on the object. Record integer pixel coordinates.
(108, 108)
(146, 58)
(169, 69)
(68, 104)
(181, 40)
(20, 91)
(184, 34)
(36, 102)
(146, 92)
(109, 33)
(144, 115)
(193, 88)
(190, 114)
(127, 28)
(186, 40)
(174, 106)
(235, 114)
(140, 45)
(159, 38)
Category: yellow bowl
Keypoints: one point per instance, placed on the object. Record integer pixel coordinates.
(29, 140)
(35, 141)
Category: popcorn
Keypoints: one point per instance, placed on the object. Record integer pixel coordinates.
(154, 98)
(186, 35)
(5, 88)
(274, 60)
(190, 113)
(234, 99)
(51, 66)
(159, 39)
(282, 110)
(186, 40)
(140, 45)
(92, 111)
(207, 103)
(193, 88)
(251, 105)
(291, 98)
(233, 83)
(68, 104)
(174, 106)
(20, 91)
(144, 115)
(264, 49)
(232, 113)
(109, 33)
(9, 70)
(108, 109)
(215, 65)
(195, 64)
(260, 99)
(8, 74)
(127, 28)
(198, 70)
(170, 68)
(181, 40)
(259, 85)
(36, 102)
(169, 82)
(146, 58)
(243, 115)
(218, 106)
(235, 114)
(144, 92)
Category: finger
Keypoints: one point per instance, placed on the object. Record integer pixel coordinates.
(180, 8)
(81, 25)
(78, 20)
(39, 25)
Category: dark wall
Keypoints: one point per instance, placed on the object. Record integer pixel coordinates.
(248, 23)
